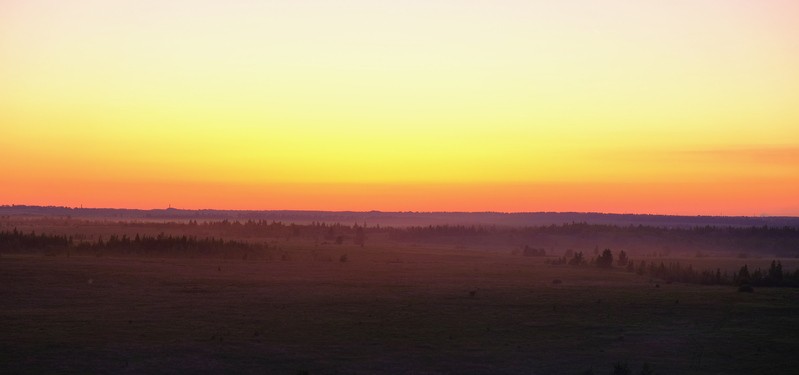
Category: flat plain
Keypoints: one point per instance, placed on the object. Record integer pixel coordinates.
(384, 309)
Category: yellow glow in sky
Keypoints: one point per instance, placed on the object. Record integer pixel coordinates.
(688, 107)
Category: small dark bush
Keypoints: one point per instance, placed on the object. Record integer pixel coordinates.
(746, 288)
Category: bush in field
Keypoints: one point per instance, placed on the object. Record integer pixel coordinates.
(743, 276)
(775, 275)
(577, 260)
(533, 252)
(605, 260)
(360, 236)
(623, 259)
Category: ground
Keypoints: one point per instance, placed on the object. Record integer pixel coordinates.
(395, 310)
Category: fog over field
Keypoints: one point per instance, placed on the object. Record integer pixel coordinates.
(89, 294)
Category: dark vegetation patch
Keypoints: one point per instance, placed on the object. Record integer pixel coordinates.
(672, 271)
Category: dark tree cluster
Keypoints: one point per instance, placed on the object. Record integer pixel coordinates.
(17, 241)
(675, 272)
(603, 260)
(774, 276)
(159, 245)
(774, 240)
(533, 252)
(329, 233)
(169, 245)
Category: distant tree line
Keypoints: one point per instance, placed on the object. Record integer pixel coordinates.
(774, 240)
(16, 241)
(653, 240)
(774, 276)
(161, 244)
(540, 241)
(335, 233)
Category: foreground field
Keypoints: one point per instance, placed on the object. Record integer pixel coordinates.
(391, 310)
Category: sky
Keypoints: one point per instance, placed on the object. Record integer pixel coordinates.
(628, 106)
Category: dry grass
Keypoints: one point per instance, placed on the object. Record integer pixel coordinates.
(385, 310)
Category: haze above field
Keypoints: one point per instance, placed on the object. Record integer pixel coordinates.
(148, 291)
(606, 106)
(401, 219)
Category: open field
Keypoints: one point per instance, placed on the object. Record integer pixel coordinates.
(385, 310)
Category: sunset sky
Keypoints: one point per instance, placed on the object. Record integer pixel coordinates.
(673, 107)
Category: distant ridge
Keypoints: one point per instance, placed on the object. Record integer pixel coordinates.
(401, 218)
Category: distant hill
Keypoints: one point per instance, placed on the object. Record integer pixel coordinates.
(402, 219)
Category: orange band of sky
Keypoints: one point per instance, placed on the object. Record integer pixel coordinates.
(684, 107)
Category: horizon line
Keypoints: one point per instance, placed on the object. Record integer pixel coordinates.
(169, 207)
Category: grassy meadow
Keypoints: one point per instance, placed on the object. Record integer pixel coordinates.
(381, 309)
